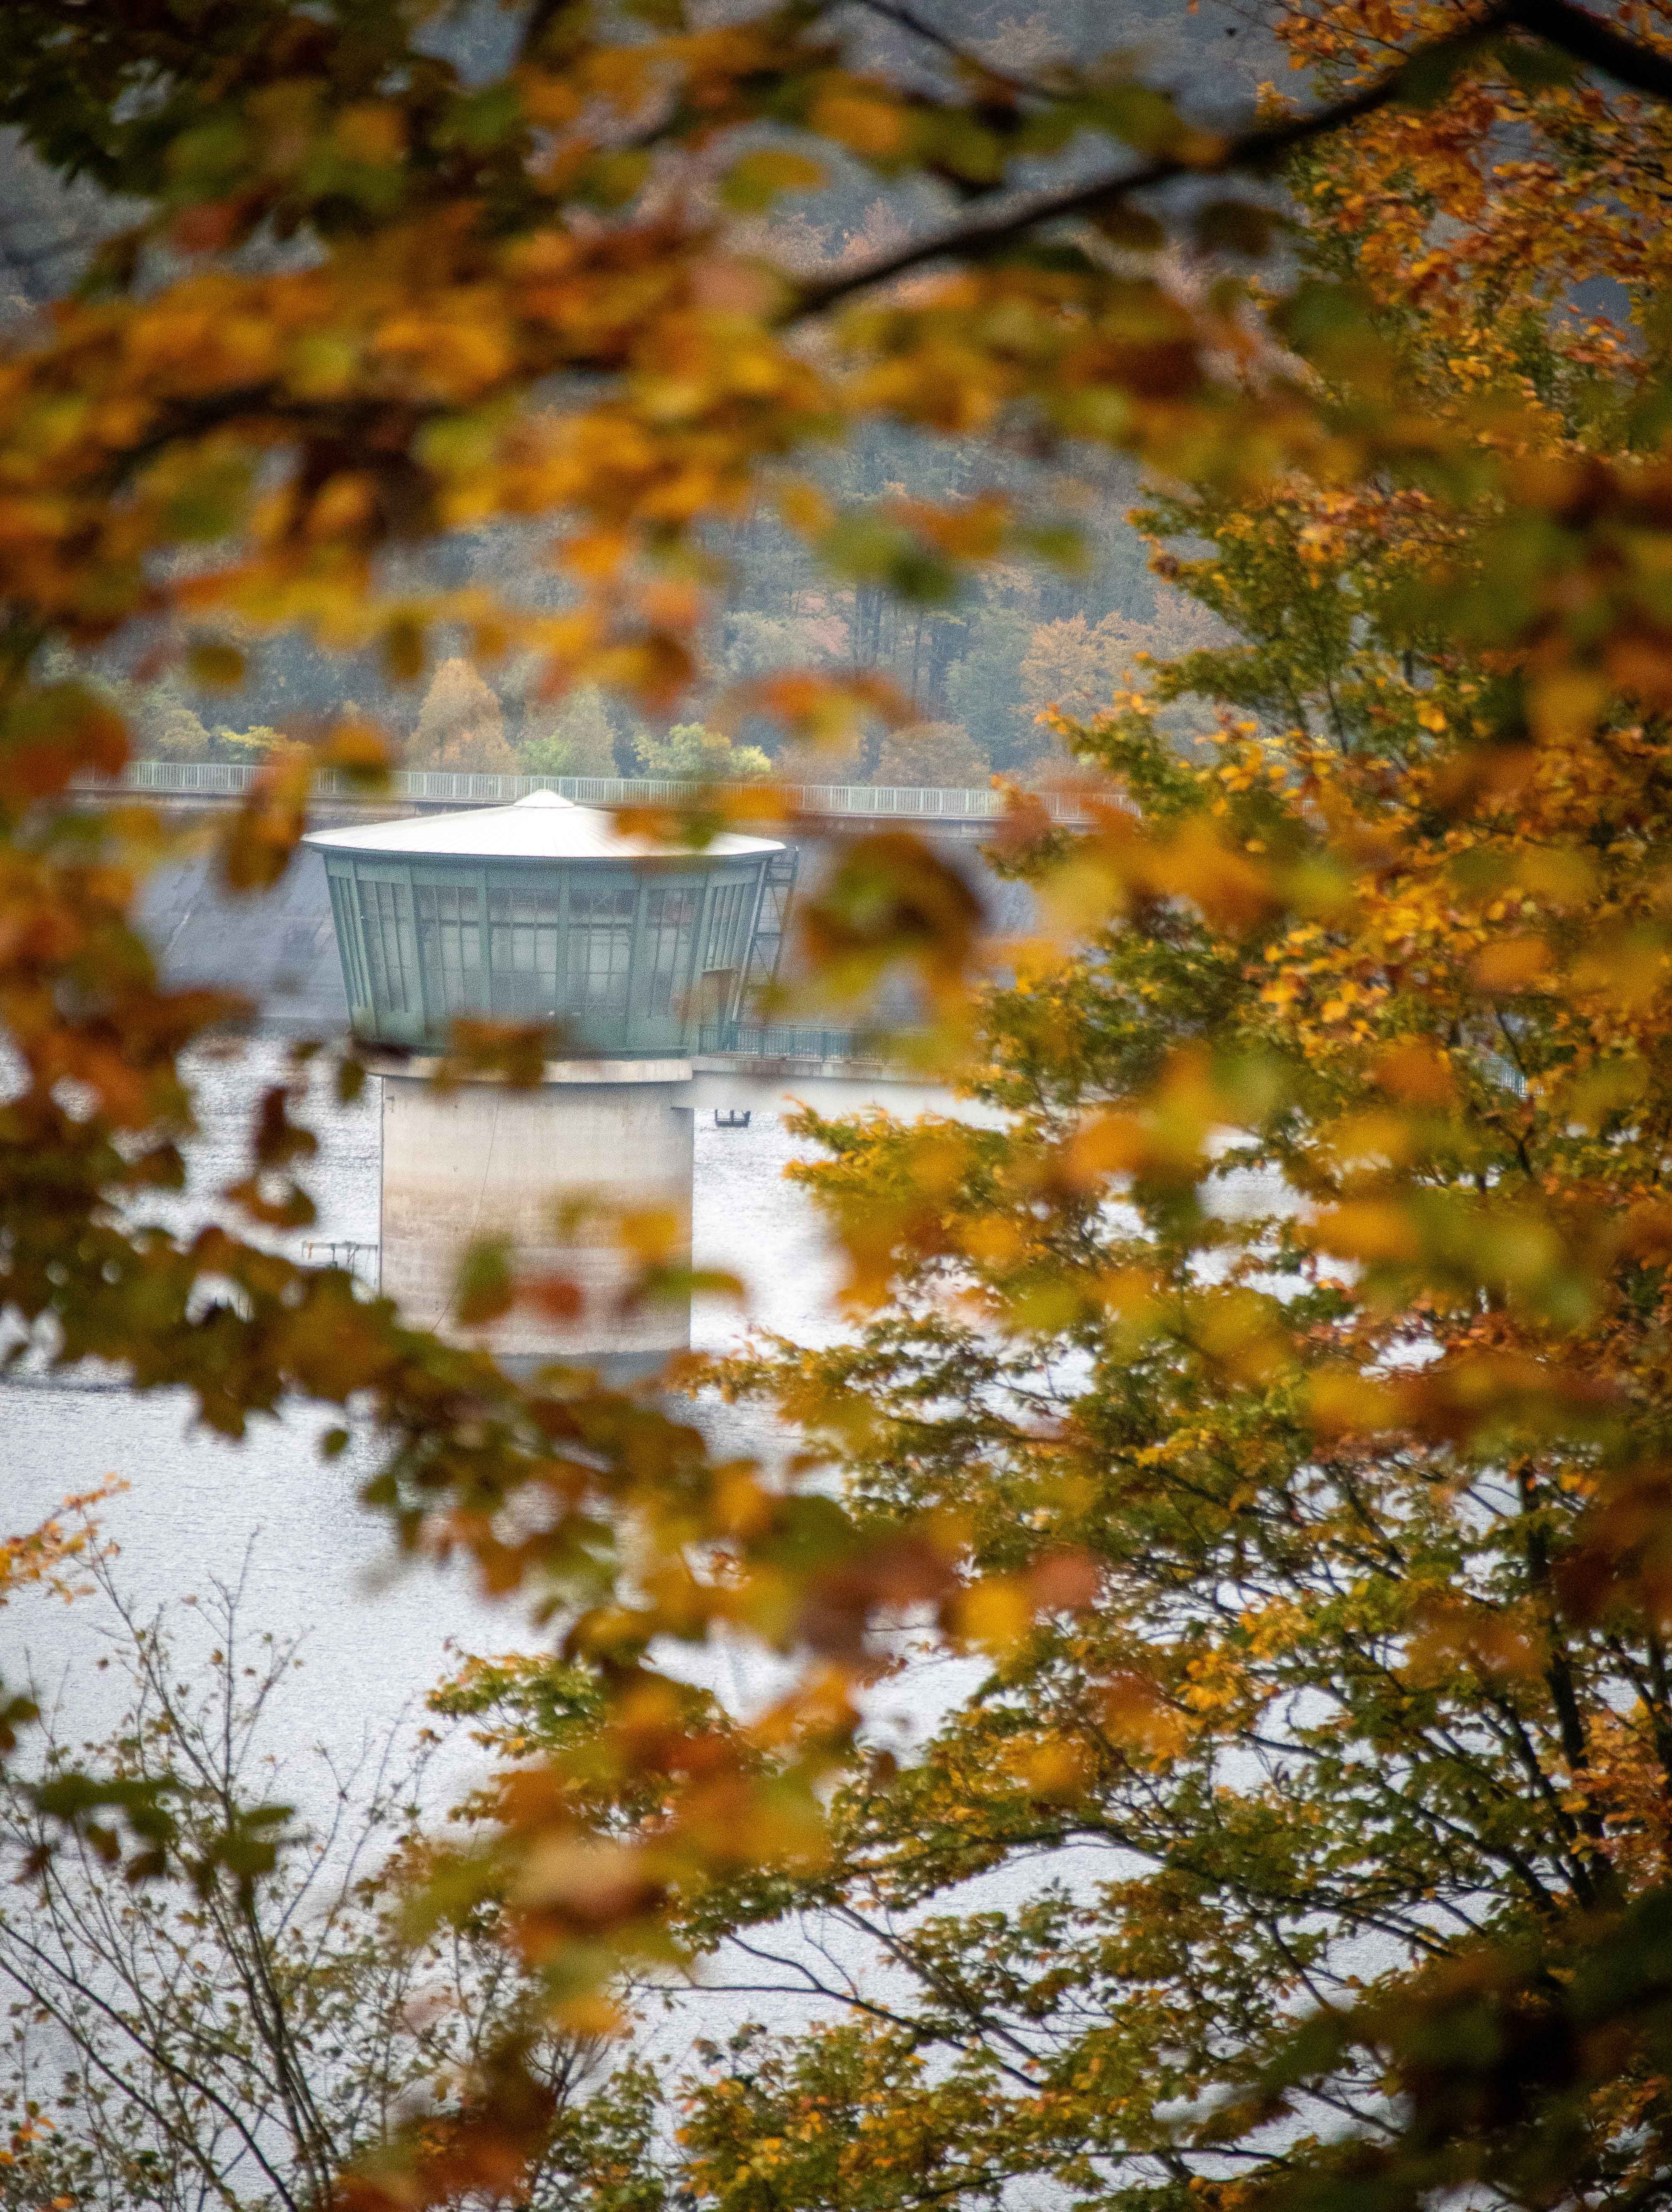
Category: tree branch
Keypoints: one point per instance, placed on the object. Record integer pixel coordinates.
(1587, 39)
(1575, 31)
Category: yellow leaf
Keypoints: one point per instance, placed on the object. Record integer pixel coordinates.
(997, 1613)
(864, 124)
(1512, 964)
(1368, 1229)
(373, 132)
(1342, 1403)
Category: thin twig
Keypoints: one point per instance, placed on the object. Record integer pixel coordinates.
(906, 19)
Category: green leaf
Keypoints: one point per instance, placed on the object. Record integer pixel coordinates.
(483, 1289)
(216, 665)
(752, 183)
(486, 119)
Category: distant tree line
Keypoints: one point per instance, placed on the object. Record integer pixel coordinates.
(987, 715)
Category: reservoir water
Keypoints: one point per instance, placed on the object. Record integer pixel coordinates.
(197, 1509)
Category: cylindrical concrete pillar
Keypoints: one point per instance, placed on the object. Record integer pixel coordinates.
(482, 1160)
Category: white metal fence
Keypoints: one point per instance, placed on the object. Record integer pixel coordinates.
(461, 788)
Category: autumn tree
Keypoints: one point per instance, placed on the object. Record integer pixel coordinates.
(1079, 666)
(1076, 669)
(49, 1554)
(353, 294)
(461, 725)
(941, 753)
(692, 752)
(822, 760)
(169, 729)
(1290, 1675)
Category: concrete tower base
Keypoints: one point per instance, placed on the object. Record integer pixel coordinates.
(482, 1161)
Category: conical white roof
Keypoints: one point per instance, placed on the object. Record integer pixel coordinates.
(544, 826)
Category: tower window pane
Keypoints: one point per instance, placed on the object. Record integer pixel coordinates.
(670, 917)
(386, 914)
(523, 951)
(725, 917)
(600, 948)
(450, 944)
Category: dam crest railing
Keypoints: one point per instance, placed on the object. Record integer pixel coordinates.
(743, 1039)
(431, 786)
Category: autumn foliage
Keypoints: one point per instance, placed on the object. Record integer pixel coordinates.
(1274, 1403)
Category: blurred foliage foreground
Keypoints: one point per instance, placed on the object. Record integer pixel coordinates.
(1279, 1400)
